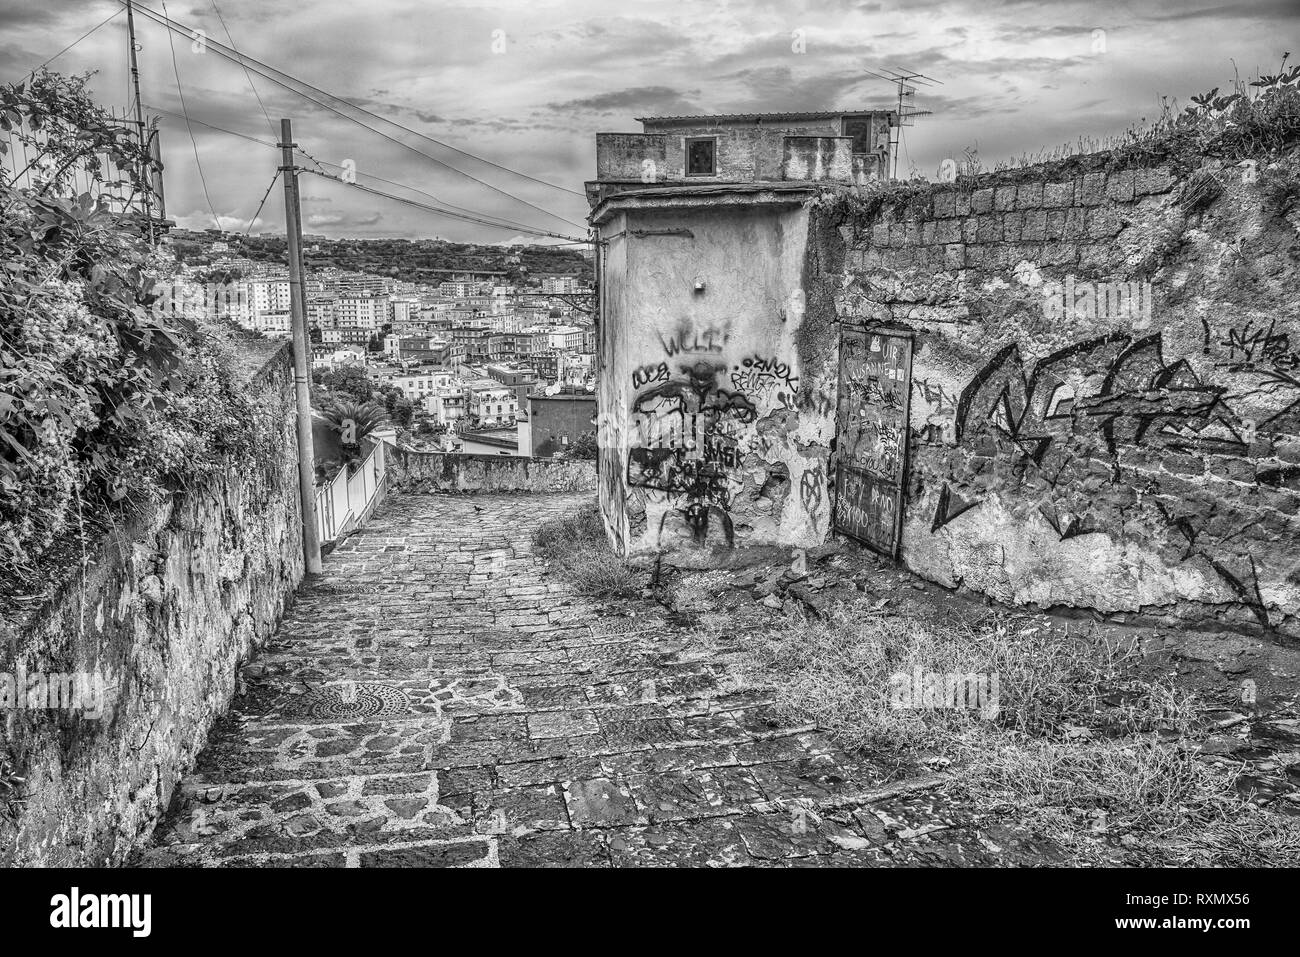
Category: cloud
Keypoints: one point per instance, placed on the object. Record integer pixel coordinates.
(316, 220)
(1019, 75)
(659, 99)
(1255, 10)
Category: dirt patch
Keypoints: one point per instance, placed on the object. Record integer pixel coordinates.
(1112, 743)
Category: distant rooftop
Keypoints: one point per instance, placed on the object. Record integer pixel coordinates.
(757, 117)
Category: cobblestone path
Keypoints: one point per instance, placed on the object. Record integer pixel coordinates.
(434, 699)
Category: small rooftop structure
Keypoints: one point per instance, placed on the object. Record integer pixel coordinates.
(825, 147)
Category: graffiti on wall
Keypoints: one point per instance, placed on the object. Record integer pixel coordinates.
(871, 429)
(1266, 356)
(934, 409)
(812, 488)
(688, 437)
(644, 375)
(692, 429)
(1099, 437)
(766, 379)
(707, 339)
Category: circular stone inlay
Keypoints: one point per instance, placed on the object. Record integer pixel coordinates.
(349, 703)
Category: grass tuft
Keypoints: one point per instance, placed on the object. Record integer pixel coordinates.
(1080, 749)
(578, 550)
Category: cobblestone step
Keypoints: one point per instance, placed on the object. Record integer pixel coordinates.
(435, 698)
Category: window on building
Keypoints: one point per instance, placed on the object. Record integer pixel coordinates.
(700, 156)
(860, 129)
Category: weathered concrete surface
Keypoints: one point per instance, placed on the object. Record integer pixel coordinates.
(711, 430)
(166, 609)
(456, 472)
(435, 699)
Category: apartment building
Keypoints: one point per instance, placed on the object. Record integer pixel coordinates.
(342, 337)
(458, 289)
(359, 285)
(403, 310)
(417, 384)
(561, 284)
(566, 338)
(491, 403)
(320, 312)
(361, 312)
(447, 407)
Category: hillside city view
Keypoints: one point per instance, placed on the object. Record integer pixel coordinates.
(453, 356)
(817, 445)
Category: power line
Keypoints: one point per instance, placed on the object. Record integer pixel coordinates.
(455, 149)
(261, 69)
(498, 220)
(501, 220)
(220, 129)
(249, 230)
(247, 75)
(407, 129)
(180, 92)
(440, 211)
(75, 42)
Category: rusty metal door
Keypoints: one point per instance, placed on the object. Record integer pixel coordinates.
(871, 435)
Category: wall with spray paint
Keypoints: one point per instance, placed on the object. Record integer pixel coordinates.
(704, 442)
(1105, 397)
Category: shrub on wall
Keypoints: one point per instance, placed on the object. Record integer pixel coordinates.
(102, 397)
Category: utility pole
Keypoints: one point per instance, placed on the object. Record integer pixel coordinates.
(156, 179)
(298, 312)
(146, 179)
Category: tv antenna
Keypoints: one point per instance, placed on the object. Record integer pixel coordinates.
(907, 81)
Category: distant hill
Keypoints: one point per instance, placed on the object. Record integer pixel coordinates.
(408, 260)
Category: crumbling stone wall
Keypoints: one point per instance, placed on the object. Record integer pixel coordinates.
(410, 471)
(1105, 395)
(169, 604)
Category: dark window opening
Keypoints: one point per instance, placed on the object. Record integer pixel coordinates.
(700, 157)
(860, 130)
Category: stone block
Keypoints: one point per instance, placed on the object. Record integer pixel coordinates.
(1034, 229)
(947, 231)
(1121, 186)
(1091, 189)
(1058, 195)
(1029, 196)
(1157, 180)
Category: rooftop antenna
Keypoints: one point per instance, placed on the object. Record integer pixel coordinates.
(907, 82)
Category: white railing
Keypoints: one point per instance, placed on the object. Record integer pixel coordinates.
(349, 498)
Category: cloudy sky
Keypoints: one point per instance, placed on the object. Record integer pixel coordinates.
(527, 84)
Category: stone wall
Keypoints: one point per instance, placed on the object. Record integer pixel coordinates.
(410, 471)
(167, 607)
(1105, 393)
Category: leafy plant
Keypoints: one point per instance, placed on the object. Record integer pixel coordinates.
(103, 397)
(584, 446)
(345, 382)
(353, 421)
(63, 130)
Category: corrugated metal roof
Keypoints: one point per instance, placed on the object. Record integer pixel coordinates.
(758, 117)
